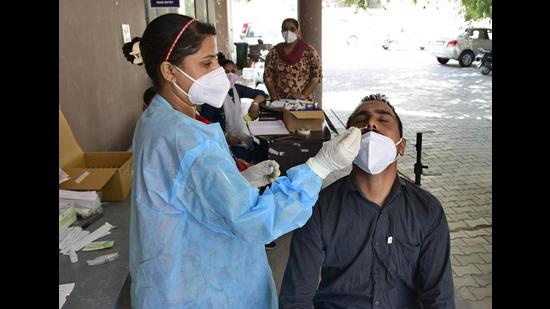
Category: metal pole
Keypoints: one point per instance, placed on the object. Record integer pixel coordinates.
(418, 165)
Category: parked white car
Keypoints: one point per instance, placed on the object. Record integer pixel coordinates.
(405, 40)
(464, 48)
(252, 32)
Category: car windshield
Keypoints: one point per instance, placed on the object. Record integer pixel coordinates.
(465, 34)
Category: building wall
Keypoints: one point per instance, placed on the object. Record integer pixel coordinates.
(100, 92)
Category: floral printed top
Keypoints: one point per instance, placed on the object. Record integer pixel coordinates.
(293, 78)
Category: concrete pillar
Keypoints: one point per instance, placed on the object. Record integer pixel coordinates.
(222, 25)
(310, 19)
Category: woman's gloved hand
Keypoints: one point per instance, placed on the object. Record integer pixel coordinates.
(337, 153)
(262, 174)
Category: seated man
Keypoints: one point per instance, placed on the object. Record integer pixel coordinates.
(378, 240)
(230, 115)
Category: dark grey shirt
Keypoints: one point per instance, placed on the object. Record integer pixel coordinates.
(397, 256)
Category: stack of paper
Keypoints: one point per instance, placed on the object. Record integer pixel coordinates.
(64, 291)
(86, 203)
(71, 235)
(78, 195)
(67, 215)
(74, 239)
(276, 127)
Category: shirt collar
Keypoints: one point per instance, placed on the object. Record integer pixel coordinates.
(396, 189)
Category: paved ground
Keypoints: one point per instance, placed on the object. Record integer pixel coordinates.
(456, 104)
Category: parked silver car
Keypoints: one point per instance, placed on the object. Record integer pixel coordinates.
(405, 40)
(252, 32)
(464, 48)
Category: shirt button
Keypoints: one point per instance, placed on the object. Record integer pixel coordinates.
(377, 303)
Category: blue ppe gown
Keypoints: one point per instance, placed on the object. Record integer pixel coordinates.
(198, 228)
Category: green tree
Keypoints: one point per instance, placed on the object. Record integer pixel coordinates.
(362, 4)
(477, 9)
(473, 9)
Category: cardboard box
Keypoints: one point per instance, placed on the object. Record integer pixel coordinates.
(107, 172)
(313, 120)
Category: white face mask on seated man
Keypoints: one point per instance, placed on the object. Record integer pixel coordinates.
(377, 152)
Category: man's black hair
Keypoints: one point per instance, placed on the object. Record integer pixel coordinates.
(161, 33)
(377, 97)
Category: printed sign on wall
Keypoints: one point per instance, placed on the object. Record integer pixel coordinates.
(165, 3)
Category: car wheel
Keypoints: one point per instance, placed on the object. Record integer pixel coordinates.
(466, 59)
(485, 70)
(442, 60)
(352, 40)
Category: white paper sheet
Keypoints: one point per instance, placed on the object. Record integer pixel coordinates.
(64, 291)
(276, 127)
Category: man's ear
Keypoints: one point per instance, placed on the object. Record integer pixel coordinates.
(402, 146)
(167, 72)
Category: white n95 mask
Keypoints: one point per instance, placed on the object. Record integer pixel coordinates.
(290, 36)
(211, 88)
(377, 153)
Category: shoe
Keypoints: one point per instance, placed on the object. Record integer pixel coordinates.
(271, 245)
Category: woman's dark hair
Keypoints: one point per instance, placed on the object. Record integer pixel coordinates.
(226, 61)
(159, 36)
(127, 49)
(294, 21)
(222, 60)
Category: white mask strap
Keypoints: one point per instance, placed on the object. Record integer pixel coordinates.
(398, 154)
(191, 78)
(179, 88)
